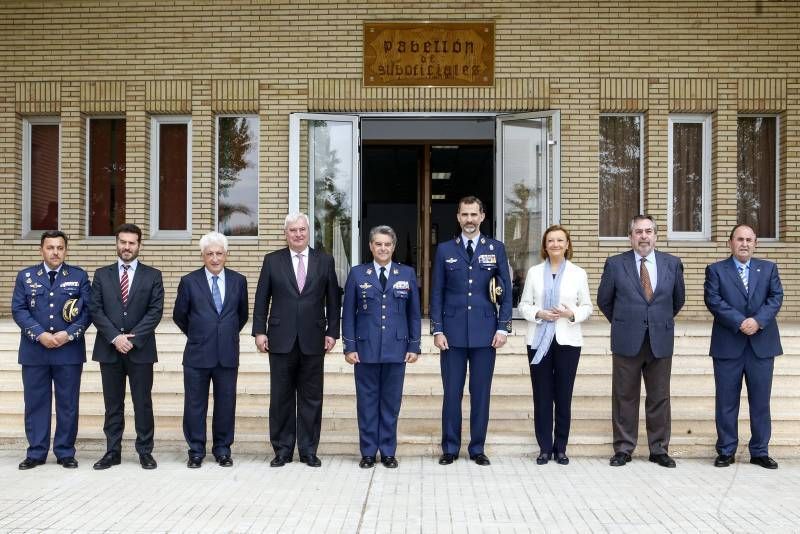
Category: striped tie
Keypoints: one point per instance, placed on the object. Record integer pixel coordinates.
(123, 284)
(743, 276)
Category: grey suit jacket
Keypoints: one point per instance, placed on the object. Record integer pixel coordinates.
(621, 299)
(140, 317)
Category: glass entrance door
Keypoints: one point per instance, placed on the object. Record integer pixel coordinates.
(323, 171)
(528, 178)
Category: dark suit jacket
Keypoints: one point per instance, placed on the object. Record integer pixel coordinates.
(213, 338)
(308, 316)
(140, 317)
(730, 303)
(621, 299)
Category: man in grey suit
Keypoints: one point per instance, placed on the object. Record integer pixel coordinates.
(296, 320)
(127, 304)
(641, 291)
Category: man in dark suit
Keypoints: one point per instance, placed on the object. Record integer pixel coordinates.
(211, 309)
(467, 326)
(744, 294)
(50, 305)
(127, 304)
(297, 330)
(641, 291)
(381, 327)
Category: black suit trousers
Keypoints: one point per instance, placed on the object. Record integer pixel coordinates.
(196, 382)
(295, 408)
(140, 376)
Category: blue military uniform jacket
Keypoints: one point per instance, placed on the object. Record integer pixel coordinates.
(382, 326)
(37, 308)
(460, 306)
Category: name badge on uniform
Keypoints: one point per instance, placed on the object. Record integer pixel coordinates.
(401, 289)
(487, 260)
(72, 283)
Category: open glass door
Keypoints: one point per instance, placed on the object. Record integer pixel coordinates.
(323, 183)
(528, 187)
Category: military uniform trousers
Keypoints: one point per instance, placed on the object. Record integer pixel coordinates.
(454, 364)
(379, 392)
(39, 382)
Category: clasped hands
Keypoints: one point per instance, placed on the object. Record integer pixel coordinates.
(53, 341)
(749, 326)
(555, 313)
(262, 343)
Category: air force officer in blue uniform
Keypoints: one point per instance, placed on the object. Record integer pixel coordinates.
(744, 294)
(211, 308)
(381, 327)
(467, 326)
(50, 306)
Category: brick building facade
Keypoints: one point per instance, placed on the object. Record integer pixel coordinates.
(153, 63)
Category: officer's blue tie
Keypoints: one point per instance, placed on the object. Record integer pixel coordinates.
(743, 276)
(215, 294)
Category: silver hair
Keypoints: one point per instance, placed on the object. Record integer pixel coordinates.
(383, 229)
(293, 218)
(213, 238)
(641, 217)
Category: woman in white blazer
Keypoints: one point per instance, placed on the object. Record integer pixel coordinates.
(555, 301)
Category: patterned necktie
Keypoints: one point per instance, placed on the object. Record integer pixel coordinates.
(215, 294)
(301, 272)
(470, 250)
(123, 284)
(743, 276)
(382, 278)
(52, 275)
(645, 276)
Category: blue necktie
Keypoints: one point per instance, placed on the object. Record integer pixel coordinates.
(215, 294)
(743, 276)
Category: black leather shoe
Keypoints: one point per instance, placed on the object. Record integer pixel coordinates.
(480, 459)
(280, 461)
(662, 459)
(225, 461)
(447, 458)
(724, 460)
(366, 462)
(30, 463)
(311, 460)
(147, 461)
(194, 463)
(542, 458)
(68, 462)
(389, 461)
(561, 458)
(108, 459)
(764, 461)
(619, 459)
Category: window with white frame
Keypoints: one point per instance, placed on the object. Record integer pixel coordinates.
(41, 170)
(106, 174)
(237, 175)
(757, 173)
(689, 189)
(621, 172)
(171, 177)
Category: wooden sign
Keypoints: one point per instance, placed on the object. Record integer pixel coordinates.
(428, 53)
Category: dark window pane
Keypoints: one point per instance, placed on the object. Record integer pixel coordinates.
(755, 192)
(687, 177)
(106, 175)
(620, 169)
(44, 176)
(237, 175)
(172, 177)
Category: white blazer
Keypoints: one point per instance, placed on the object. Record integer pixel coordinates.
(574, 294)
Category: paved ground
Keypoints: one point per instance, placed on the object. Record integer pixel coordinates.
(512, 495)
